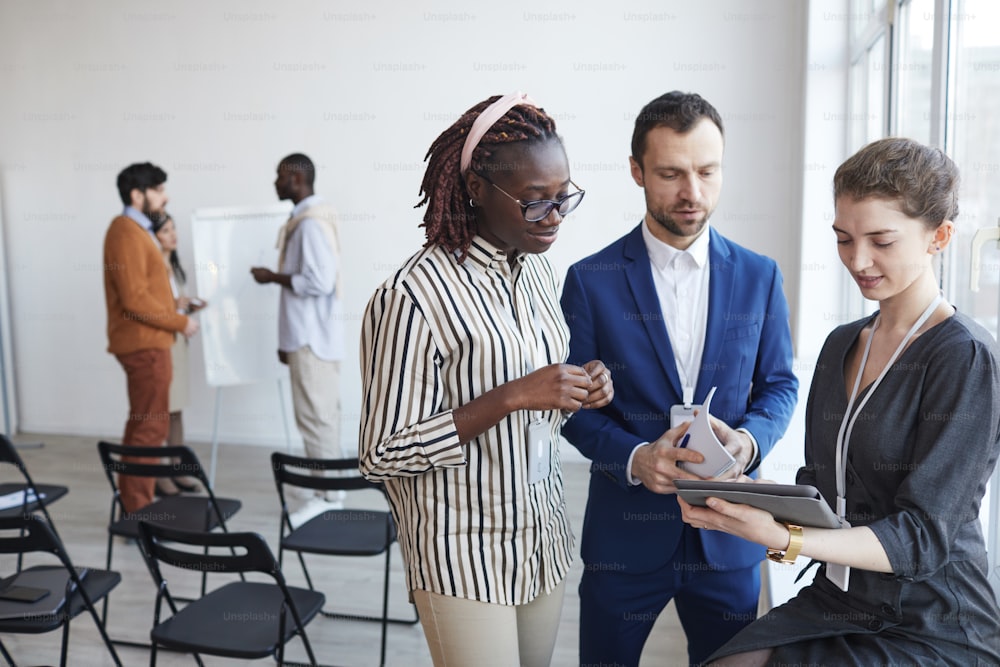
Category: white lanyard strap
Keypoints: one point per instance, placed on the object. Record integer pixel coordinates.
(851, 416)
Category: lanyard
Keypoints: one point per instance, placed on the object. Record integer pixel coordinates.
(847, 424)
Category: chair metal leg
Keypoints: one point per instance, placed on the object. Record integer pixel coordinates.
(107, 566)
(305, 570)
(385, 606)
(104, 607)
(65, 642)
(20, 556)
(5, 654)
(100, 626)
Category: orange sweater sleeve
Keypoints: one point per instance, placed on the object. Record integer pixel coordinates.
(141, 309)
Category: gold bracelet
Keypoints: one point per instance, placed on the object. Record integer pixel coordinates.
(789, 555)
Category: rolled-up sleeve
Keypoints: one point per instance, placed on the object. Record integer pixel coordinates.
(954, 453)
(318, 273)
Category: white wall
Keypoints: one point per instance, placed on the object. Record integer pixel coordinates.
(217, 92)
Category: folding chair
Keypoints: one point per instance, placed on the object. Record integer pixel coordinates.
(67, 596)
(34, 497)
(184, 512)
(346, 532)
(241, 619)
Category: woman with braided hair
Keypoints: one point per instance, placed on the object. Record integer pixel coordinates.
(465, 390)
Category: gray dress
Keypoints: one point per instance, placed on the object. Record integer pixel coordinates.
(920, 456)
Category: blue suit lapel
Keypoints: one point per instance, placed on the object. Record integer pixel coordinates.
(721, 283)
(638, 272)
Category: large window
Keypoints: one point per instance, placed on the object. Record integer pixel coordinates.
(930, 70)
(912, 89)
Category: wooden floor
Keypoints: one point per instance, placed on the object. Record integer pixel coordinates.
(352, 583)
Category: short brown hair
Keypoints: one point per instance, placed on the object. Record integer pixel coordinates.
(921, 179)
(677, 110)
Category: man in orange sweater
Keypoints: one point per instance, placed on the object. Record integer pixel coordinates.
(142, 316)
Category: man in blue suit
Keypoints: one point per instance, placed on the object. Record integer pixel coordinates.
(674, 309)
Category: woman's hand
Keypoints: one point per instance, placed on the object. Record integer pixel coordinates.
(602, 389)
(743, 521)
(553, 387)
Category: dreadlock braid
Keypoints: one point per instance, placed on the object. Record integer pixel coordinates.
(450, 220)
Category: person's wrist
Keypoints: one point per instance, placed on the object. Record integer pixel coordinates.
(753, 452)
(510, 398)
(793, 548)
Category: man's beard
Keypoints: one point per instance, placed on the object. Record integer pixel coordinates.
(154, 216)
(667, 222)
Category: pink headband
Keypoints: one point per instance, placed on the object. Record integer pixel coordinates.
(485, 121)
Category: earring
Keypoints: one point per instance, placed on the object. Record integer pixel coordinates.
(472, 204)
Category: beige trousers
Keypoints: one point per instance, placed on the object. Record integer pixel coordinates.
(316, 400)
(463, 632)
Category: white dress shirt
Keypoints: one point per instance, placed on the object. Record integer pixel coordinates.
(681, 281)
(310, 312)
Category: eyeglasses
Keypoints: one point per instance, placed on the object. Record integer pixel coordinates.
(539, 209)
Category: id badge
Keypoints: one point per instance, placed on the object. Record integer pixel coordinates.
(680, 413)
(539, 451)
(840, 575)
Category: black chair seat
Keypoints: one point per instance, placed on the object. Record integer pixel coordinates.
(97, 584)
(347, 532)
(211, 624)
(180, 512)
(50, 493)
(28, 533)
(343, 533)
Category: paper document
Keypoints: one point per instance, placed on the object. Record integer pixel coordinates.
(16, 499)
(701, 438)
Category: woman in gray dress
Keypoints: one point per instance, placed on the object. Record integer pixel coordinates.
(902, 434)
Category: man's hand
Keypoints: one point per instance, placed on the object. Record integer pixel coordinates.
(191, 328)
(262, 275)
(283, 357)
(655, 464)
(736, 443)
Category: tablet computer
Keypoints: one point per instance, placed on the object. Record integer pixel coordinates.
(800, 504)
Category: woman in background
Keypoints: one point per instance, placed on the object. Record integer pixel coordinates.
(915, 389)
(166, 233)
(465, 389)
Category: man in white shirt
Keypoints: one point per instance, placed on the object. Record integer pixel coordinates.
(310, 317)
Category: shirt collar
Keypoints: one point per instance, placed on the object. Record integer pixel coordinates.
(662, 254)
(486, 255)
(311, 200)
(139, 217)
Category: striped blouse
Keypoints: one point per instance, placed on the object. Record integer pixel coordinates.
(436, 335)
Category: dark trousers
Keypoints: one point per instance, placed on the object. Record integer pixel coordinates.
(148, 374)
(618, 610)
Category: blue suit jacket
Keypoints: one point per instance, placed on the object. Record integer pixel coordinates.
(614, 315)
